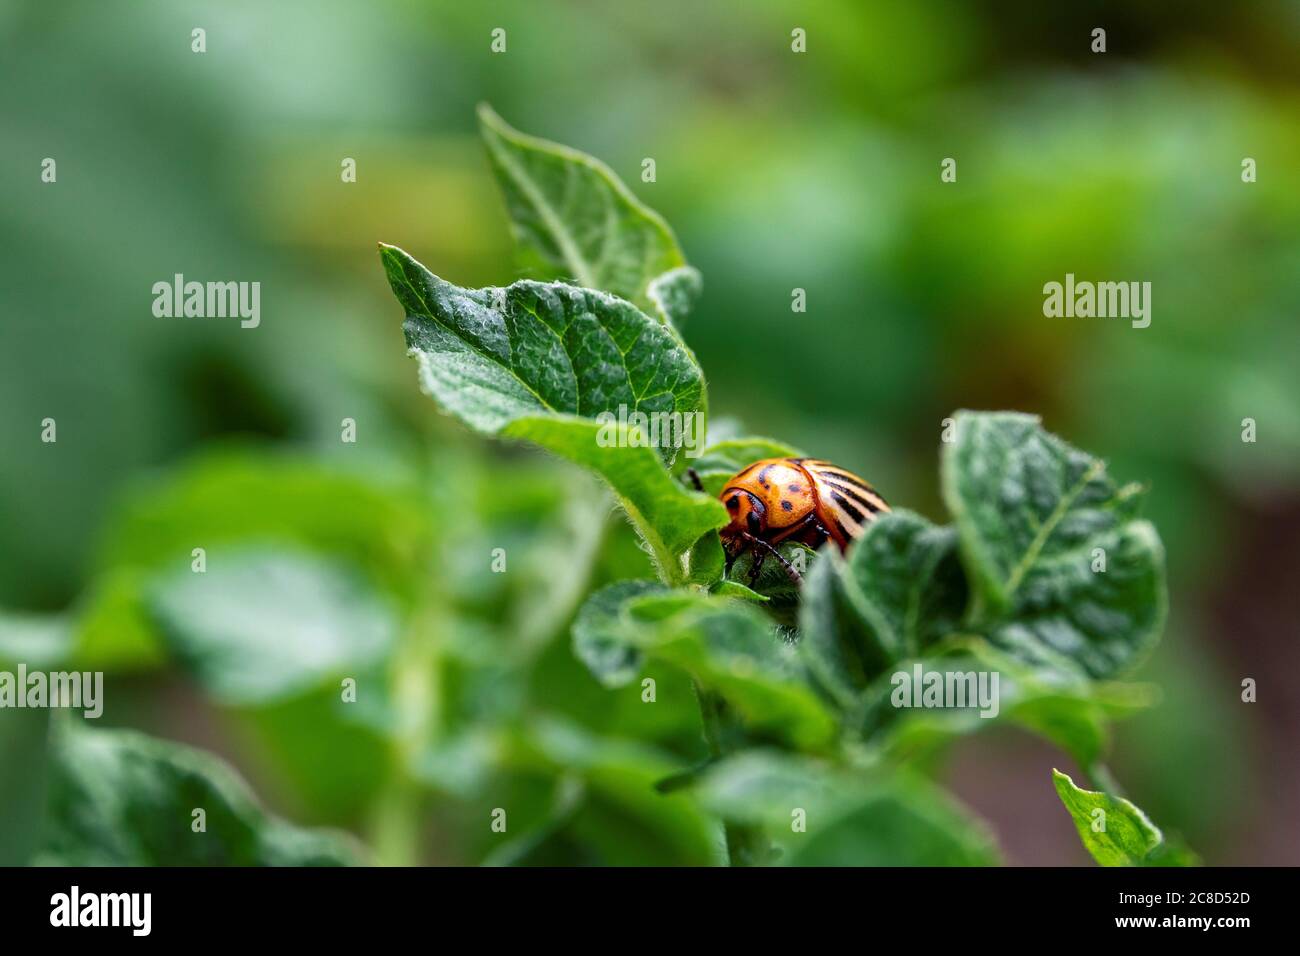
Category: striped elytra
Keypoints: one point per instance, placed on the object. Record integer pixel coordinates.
(794, 499)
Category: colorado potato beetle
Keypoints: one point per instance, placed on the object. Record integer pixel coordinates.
(807, 500)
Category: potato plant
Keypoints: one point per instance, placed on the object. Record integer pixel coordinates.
(464, 656)
(1045, 575)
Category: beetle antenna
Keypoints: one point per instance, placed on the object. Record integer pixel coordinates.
(694, 475)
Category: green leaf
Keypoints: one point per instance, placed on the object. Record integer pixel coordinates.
(232, 496)
(1032, 513)
(675, 294)
(706, 562)
(557, 365)
(114, 631)
(461, 764)
(602, 635)
(258, 626)
(837, 647)
(119, 798)
(332, 757)
(732, 649)
(899, 591)
(490, 356)
(623, 819)
(1063, 706)
(1115, 831)
(910, 822)
(763, 786)
(544, 840)
(727, 646)
(841, 651)
(573, 220)
(37, 640)
(1077, 719)
(898, 820)
(105, 631)
(907, 581)
(227, 499)
(734, 589)
(669, 517)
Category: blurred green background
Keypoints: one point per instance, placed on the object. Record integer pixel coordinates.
(777, 170)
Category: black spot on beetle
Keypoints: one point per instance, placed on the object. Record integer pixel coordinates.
(795, 488)
(785, 505)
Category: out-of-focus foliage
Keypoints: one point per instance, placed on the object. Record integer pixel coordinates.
(778, 171)
(119, 798)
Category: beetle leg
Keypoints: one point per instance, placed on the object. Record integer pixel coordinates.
(694, 475)
(794, 575)
(731, 555)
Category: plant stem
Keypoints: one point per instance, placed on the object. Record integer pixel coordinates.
(667, 564)
(747, 845)
(394, 824)
(414, 684)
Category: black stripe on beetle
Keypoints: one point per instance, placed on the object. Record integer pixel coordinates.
(854, 493)
(845, 478)
(849, 508)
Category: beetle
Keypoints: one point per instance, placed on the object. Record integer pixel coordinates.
(807, 500)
